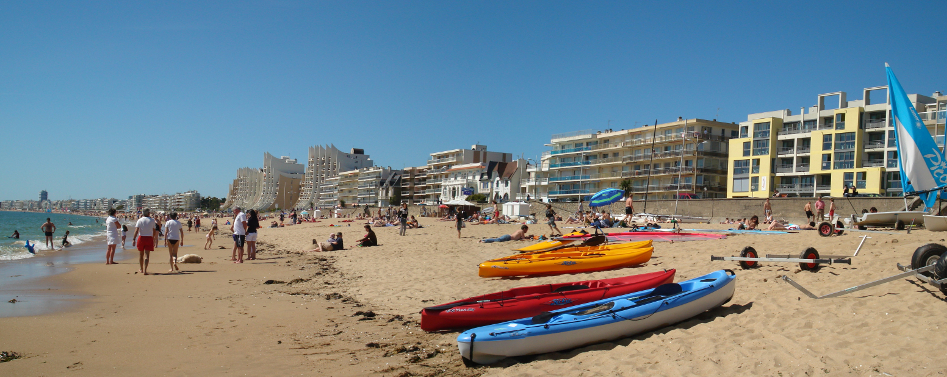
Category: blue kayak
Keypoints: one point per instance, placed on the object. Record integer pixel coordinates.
(598, 321)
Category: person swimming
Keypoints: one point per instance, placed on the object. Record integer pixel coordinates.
(16, 234)
(30, 247)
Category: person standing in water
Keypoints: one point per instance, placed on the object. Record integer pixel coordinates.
(111, 236)
(174, 234)
(49, 228)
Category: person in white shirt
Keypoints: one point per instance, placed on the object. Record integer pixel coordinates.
(239, 229)
(144, 237)
(174, 235)
(111, 236)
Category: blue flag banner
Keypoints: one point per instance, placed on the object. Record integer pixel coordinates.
(923, 169)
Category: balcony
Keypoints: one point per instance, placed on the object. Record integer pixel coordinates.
(823, 187)
(784, 169)
(870, 124)
(873, 163)
(844, 164)
(939, 116)
(568, 192)
(892, 164)
(568, 164)
(570, 150)
(894, 185)
(795, 188)
(442, 160)
(875, 144)
(741, 171)
(536, 181)
(845, 146)
(802, 150)
(570, 178)
(839, 125)
(802, 168)
(785, 151)
(760, 151)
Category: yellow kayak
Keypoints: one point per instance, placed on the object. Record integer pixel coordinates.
(599, 248)
(560, 262)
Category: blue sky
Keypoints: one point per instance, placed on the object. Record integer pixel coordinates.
(115, 98)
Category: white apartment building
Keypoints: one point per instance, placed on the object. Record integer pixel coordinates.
(431, 180)
(324, 163)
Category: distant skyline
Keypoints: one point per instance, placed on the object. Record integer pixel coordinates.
(110, 99)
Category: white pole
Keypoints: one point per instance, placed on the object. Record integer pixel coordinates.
(680, 167)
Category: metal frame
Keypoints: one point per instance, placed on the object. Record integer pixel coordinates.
(843, 260)
(907, 272)
(857, 249)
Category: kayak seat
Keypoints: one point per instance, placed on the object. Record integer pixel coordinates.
(571, 288)
(669, 289)
(594, 240)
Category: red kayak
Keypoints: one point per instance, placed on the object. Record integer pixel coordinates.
(529, 301)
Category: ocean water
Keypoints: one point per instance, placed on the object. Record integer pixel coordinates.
(83, 230)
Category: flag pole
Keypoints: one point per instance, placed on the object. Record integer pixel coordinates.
(647, 188)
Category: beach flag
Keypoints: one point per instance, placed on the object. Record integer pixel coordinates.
(923, 169)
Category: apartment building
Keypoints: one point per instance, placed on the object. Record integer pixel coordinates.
(824, 148)
(441, 184)
(324, 163)
(245, 189)
(658, 162)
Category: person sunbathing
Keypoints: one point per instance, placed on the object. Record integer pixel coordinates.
(573, 220)
(413, 223)
(334, 243)
(516, 236)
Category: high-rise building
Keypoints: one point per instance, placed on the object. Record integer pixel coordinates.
(824, 148)
(326, 162)
(43, 196)
(275, 186)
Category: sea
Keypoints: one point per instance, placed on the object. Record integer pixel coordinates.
(82, 230)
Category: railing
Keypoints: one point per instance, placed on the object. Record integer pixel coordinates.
(570, 178)
(803, 149)
(536, 181)
(570, 150)
(760, 151)
(741, 171)
(795, 187)
(784, 169)
(870, 124)
(939, 115)
(892, 163)
(873, 163)
(823, 187)
(824, 126)
(892, 185)
(568, 192)
(761, 134)
(846, 146)
(799, 130)
(802, 168)
(839, 125)
(568, 164)
(367, 185)
(582, 133)
(367, 177)
(443, 159)
(784, 151)
(844, 164)
(874, 144)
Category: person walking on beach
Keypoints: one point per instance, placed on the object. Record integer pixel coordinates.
(253, 223)
(239, 229)
(496, 212)
(819, 210)
(551, 221)
(768, 211)
(210, 238)
(403, 218)
(174, 234)
(111, 236)
(629, 208)
(460, 221)
(48, 228)
(144, 237)
(808, 210)
(124, 234)
(831, 208)
(197, 224)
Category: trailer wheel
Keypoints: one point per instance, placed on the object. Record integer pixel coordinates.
(825, 229)
(927, 255)
(838, 228)
(940, 270)
(899, 225)
(810, 253)
(749, 252)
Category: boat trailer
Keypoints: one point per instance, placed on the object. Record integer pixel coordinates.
(933, 272)
(809, 260)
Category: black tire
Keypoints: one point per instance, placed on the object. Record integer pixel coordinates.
(838, 228)
(825, 229)
(927, 255)
(749, 252)
(899, 225)
(810, 253)
(861, 227)
(940, 271)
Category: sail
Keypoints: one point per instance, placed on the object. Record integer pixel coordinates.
(923, 169)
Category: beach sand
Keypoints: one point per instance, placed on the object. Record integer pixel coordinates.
(355, 312)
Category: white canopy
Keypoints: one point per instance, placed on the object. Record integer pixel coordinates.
(459, 202)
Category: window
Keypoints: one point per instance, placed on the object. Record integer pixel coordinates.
(741, 167)
(845, 141)
(741, 184)
(827, 162)
(893, 180)
(826, 142)
(860, 180)
(733, 133)
(892, 159)
(809, 125)
(845, 160)
(840, 121)
(744, 131)
(847, 179)
(760, 147)
(761, 130)
(746, 149)
(754, 183)
(892, 139)
(755, 169)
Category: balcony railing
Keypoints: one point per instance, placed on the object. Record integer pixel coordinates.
(570, 178)
(441, 160)
(795, 187)
(570, 150)
(760, 151)
(892, 164)
(786, 150)
(784, 169)
(846, 146)
(568, 192)
(568, 164)
(871, 124)
(741, 171)
(873, 163)
(844, 164)
(839, 125)
(823, 187)
(894, 184)
(536, 181)
(802, 168)
(796, 130)
(940, 116)
(802, 150)
(875, 144)
(761, 134)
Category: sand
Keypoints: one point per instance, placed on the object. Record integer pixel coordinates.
(355, 312)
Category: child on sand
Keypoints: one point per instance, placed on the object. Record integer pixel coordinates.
(211, 235)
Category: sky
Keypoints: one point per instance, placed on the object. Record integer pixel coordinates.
(114, 98)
